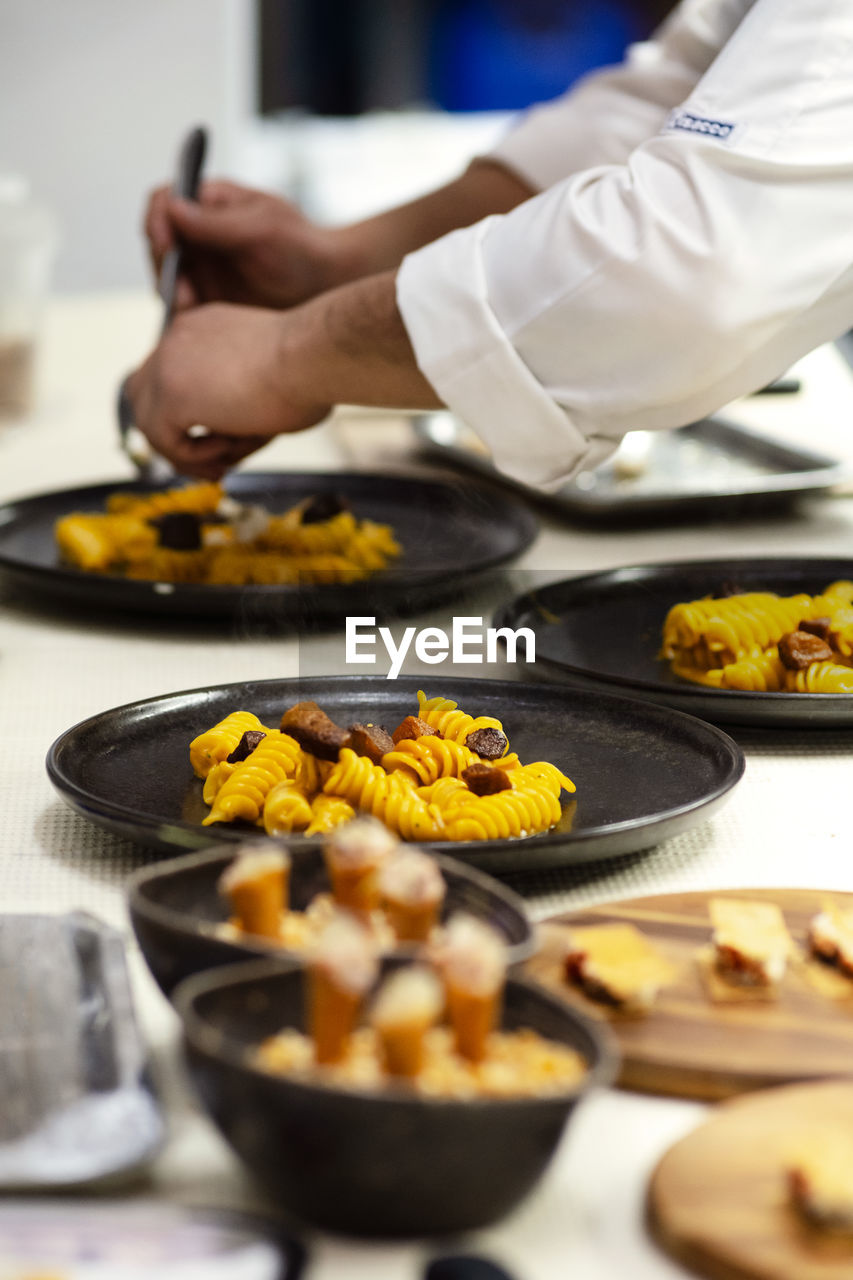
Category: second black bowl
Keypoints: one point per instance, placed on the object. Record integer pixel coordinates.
(177, 913)
(388, 1163)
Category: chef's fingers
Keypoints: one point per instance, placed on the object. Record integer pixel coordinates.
(158, 227)
(212, 226)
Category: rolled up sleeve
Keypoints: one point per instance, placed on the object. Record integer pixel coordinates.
(648, 291)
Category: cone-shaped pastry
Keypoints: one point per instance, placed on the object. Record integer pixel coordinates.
(354, 854)
(257, 885)
(408, 1004)
(411, 891)
(472, 963)
(341, 969)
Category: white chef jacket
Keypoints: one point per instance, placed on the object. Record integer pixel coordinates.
(693, 236)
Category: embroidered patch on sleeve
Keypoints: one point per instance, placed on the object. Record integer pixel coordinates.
(687, 122)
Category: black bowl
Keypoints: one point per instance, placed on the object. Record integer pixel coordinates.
(368, 1164)
(176, 910)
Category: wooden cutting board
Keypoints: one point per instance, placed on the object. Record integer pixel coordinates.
(718, 1200)
(687, 1045)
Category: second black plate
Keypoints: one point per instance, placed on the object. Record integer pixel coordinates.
(604, 630)
(449, 533)
(643, 773)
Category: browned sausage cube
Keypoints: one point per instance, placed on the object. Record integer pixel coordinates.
(799, 650)
(821, 627)
(485, 779)
(491, 744)
(413, 727)
(314, 730)
(371, 740)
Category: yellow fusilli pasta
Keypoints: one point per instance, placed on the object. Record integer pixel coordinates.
(426, 759)
(734, 643)
(242, 795)
(417, 789)
(224, 544)
(455, 725)
(212, 746)
(389, 797)
(287, 808)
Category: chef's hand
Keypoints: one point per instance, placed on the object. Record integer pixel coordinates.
(242, 246)
(227, 368)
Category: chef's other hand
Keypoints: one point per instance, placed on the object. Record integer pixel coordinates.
(242, 246)
(226, 369)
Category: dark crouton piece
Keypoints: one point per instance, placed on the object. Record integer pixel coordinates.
(314, 730)
(491, 744)
(413, 727)
(244, 748)
(485, 779)
(371, 740)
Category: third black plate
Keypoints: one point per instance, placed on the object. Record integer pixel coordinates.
(604, 630)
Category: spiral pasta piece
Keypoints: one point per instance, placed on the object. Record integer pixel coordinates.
(389, 797)
(287, 808)
(212, 746)
(242, 796)
(426, 759)
(711, 633)
(214, 780)
(451, 722)
(530, 806)
(328, 812)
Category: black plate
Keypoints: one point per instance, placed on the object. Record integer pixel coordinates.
(604, 630)
(643, 773)
(449, 532)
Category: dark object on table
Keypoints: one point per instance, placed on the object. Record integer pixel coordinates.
(642, 773)
(177, 911)
(711, 468)
(450, 531)
(603, 630)
(781, 387)
(465, 1266)
(374, 1164)
(76, 1102)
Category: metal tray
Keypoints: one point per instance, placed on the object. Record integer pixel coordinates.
(705, 468)
(76, 1103)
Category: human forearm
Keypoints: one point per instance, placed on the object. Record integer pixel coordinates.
(247, 374)
(350, 346)
(380, 243)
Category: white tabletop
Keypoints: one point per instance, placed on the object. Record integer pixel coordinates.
(786, 824)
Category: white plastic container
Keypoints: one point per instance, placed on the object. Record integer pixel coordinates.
(27, 246)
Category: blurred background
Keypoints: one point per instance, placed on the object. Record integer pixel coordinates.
(344, 105)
